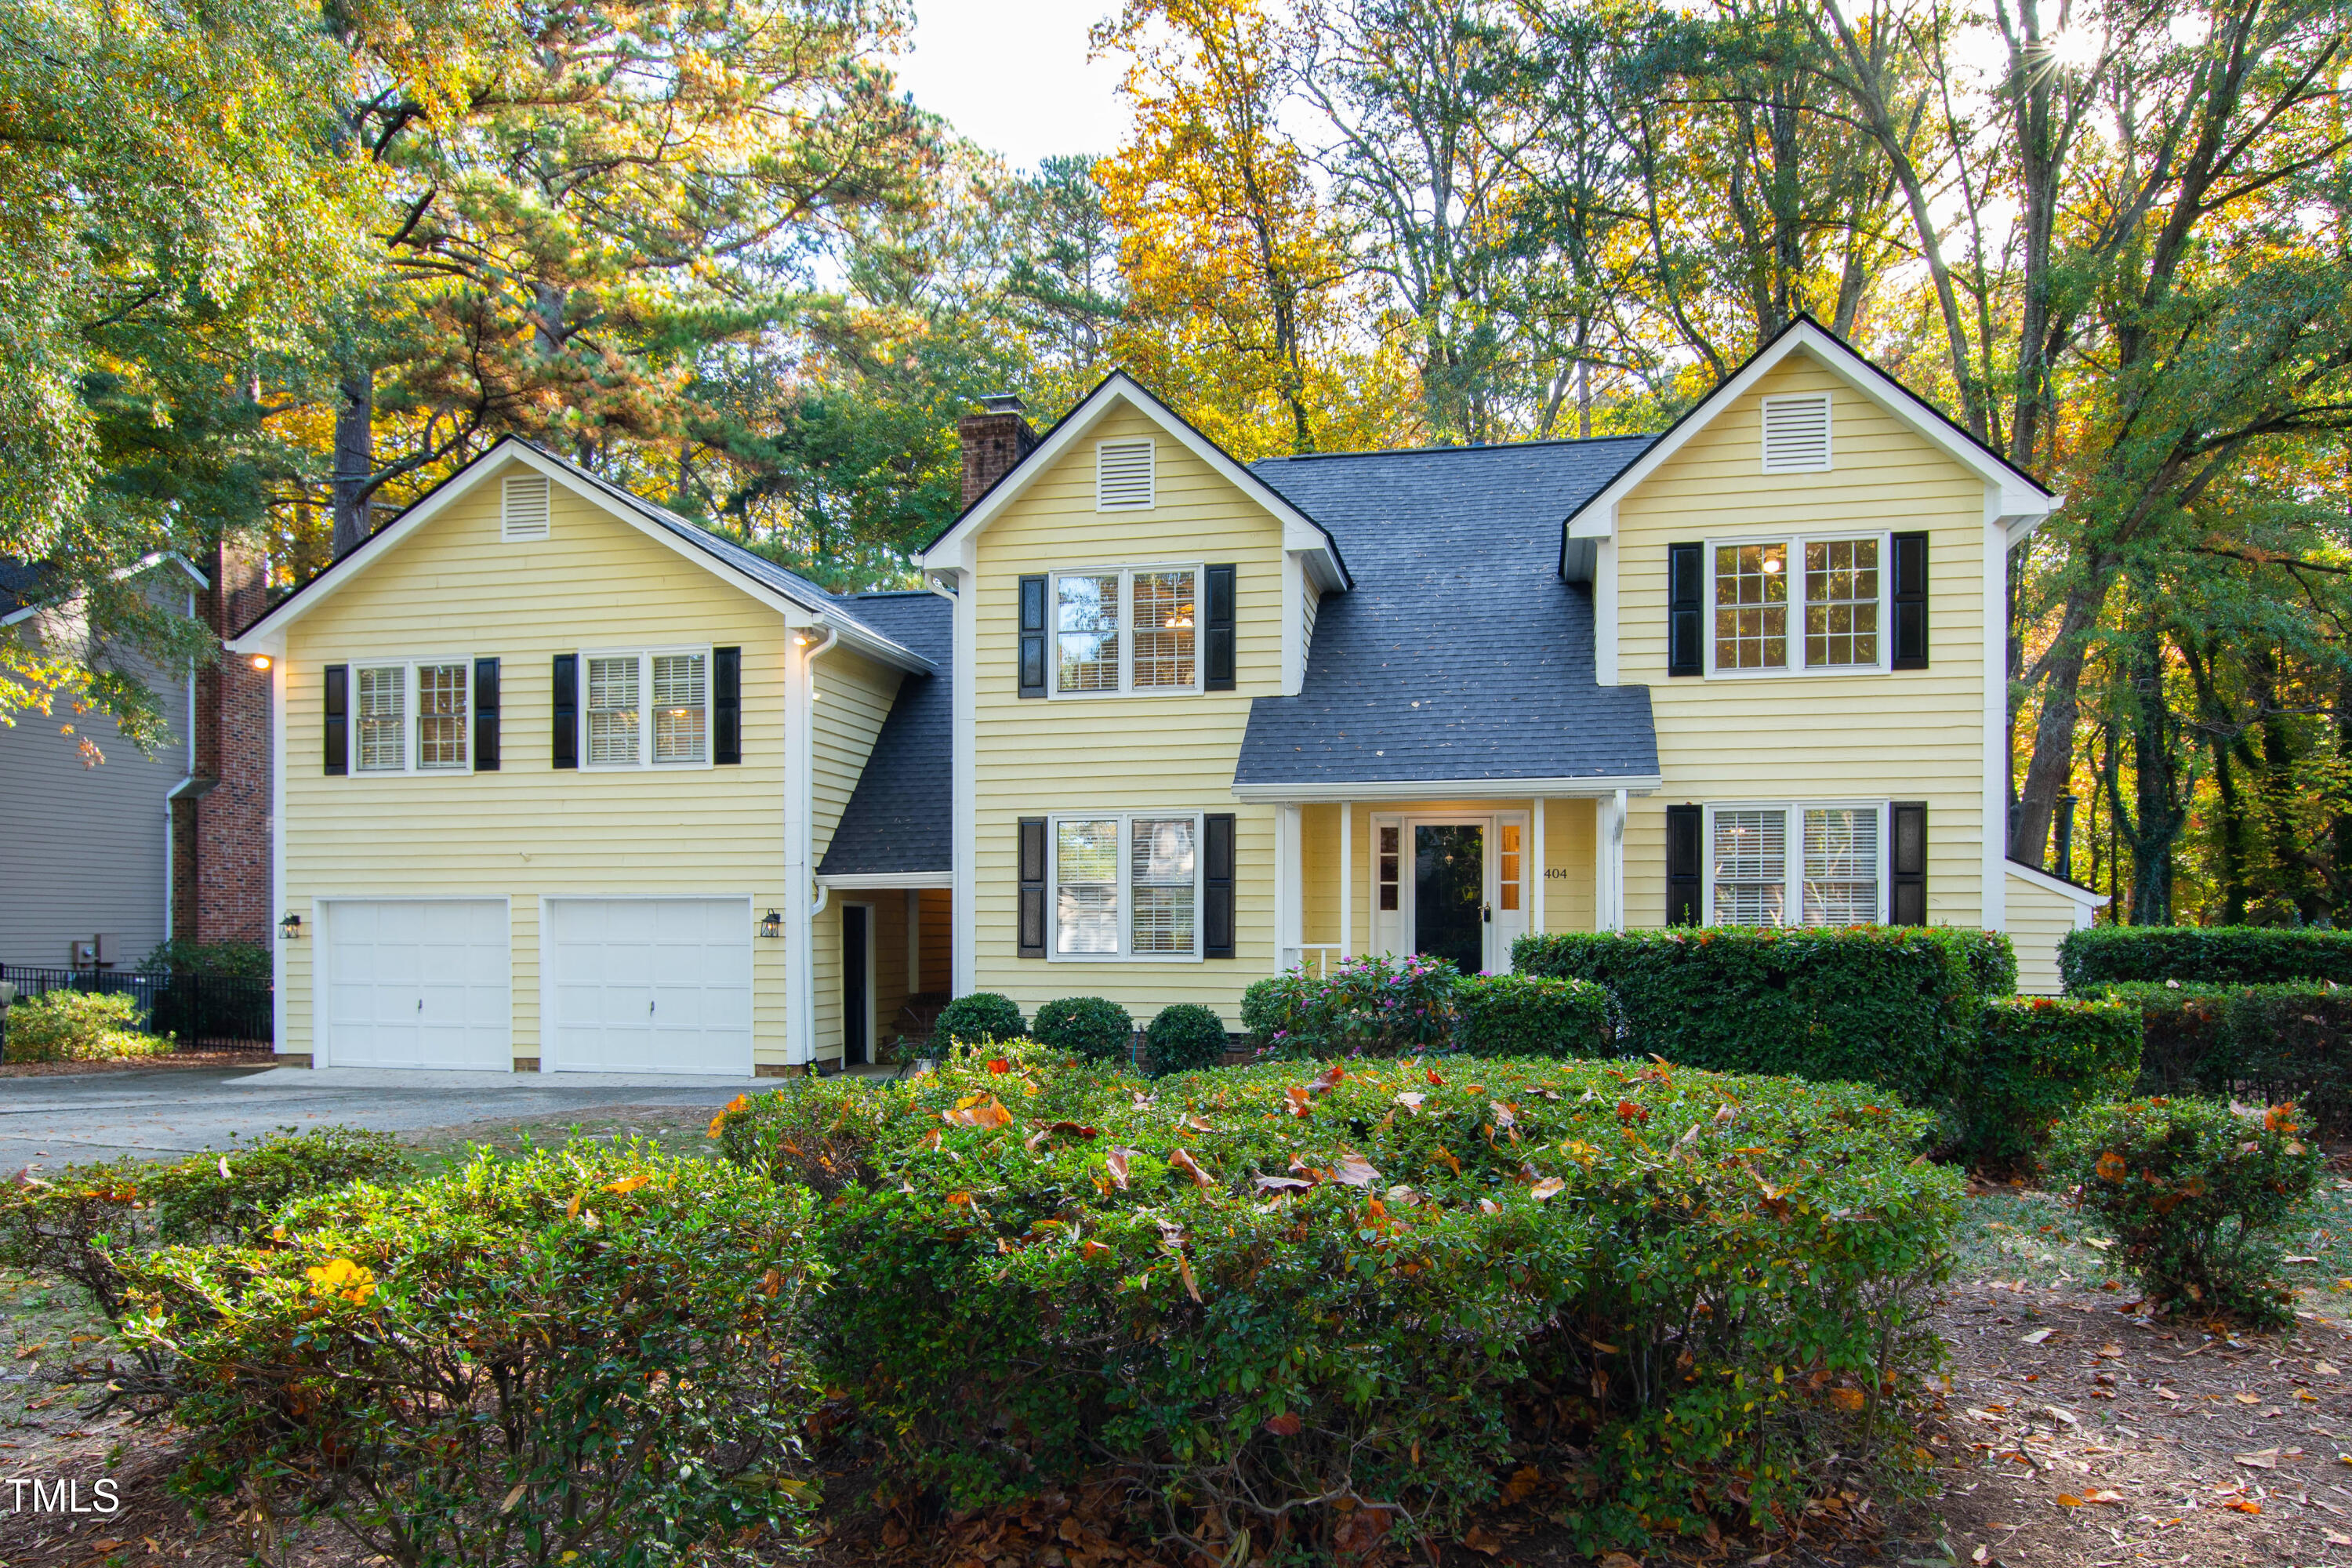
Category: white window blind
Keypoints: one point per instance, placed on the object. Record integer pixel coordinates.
(383, 728)
(679, 710)
(1123, 477)
(1750, 855)
(1840, 865)
(524, 514)
(1164, 614)
(612, 714)
(441, 715)
(1797, 434)
(1161, 871)
(1086, 886)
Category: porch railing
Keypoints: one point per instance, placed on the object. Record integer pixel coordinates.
(1316, 959)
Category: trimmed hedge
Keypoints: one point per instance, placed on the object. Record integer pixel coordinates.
(1184, 1037)
(1089, 1026)
(1520, 1015)
(1328, 1306)
(1895, 1006)
(2289, 1041)
(2199, 1196)
(78, 1026)
(2231, 955)
(976, 1019)
(2039, 1061)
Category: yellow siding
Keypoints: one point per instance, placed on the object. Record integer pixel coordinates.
(1908, 735)
(452, 589)
(1568, 895)
(853, 697)
(1115, 753)
(2039, 920)
(1568, 844)
(890, 989)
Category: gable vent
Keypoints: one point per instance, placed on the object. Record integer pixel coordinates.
(524, 513)
(1123, 476)
(1796, 434)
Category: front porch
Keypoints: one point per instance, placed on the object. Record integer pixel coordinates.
(1458, 878)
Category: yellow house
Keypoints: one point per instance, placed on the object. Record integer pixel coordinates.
(564, 781)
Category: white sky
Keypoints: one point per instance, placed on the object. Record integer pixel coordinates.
(1012, 76)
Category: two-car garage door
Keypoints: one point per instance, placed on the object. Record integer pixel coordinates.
(631, 985)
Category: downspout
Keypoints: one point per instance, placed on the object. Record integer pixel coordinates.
(800, 914)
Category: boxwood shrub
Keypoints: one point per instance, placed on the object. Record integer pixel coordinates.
(1185, 1036)
(1296, 1297)
(1520, 1015)
(588, 1354)
(1084, 1027)
(2234, 955)
(1895, 1005)
(981, 1017)
(2198, 1196)
(78, 1026)
(2275, 1042)
(2039, 1060)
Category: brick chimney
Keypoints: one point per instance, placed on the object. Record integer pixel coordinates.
(220, 820)
(994, 439)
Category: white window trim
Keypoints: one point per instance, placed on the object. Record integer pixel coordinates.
(412, 726)
(1792, 863)
(1796, 541)
(645, 656)
(1127, 575)
(1125, 820)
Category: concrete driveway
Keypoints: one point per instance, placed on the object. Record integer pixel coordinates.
(52, 1121)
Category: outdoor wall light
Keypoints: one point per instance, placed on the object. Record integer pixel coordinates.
(772, 924)
(261, 661)
(291, 926)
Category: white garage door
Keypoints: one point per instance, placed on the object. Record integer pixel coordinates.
(649, 985)
(418, 983)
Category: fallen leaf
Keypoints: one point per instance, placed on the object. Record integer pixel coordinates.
(1411, 1100)
(2063, 1418)
(2322, 1369)
(1183, 1162)
(1848, 1398)
(2261, 1459)
(1329, 1078)
(2247, 1398)
(1091, 1250)
(989, 1112)
(1184, 1272)
(1618, 1560)
(1477, 1539)
(2336, 1537)
(224, 1169)
(2111, 1352)
(1354, 1170)
(626, 1183)
(1286, 1425)
(1504, 1115)
(2068, 1500)
(2243, 1505)
(2038, 1336)
(2166, 1393)
(1301, 1102)
(1551, 1187)
(2299, 1257)
(2105, 1495)
(1282, 1184)
(1115, 1162)
(514, 1497)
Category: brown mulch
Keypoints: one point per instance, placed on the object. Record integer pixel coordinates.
(255, 1059)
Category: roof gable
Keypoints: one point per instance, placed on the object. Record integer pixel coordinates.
(2022, 500)
(952, 550)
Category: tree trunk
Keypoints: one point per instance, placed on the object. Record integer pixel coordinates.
(2340, 830)
(354, 459)
(2052, 763)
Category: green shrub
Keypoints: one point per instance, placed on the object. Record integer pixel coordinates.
(1377, 1005)
(983, 1015)
(79, 1027)
(1274, 1010)
(1184, 1037)
(1895, 1005)
(83, 1221)
(593, 1354)
(1086, 1026)
(1293, 1300)
(2040, 1061)
(223, 960)
(1520, 1015)
(2230, 955)
(2198, 1195)
(2277, 1042)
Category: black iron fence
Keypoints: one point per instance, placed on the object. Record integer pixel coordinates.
(202, 1012)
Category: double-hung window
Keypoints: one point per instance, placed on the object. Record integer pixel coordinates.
(1127, 630)
(411, 716)
(647, 706)
(1796, 865)
(1127, 885)
(1807, 602)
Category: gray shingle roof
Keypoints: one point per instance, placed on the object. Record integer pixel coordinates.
(899, 816)
(1460, 654)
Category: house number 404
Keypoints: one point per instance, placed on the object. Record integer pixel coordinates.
(1555, 873)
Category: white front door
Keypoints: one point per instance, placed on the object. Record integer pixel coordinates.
(416, 983)
(648, 986)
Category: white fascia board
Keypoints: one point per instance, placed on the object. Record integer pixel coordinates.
(851, 881)
(1444, 789)
(1299, 532)
(266, 634)
(2049, 884)
(2019, 497)
(2020, 524)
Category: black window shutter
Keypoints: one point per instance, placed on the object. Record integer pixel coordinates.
(1910, 601)
(485, 715)
(1685, 586)
(1907, 855)
(1684, 827)
(338, 712)
(566, 749)
(1217, 650)
(726, 704)
(1033, 887)
(1217, 918)
(1033, 641)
